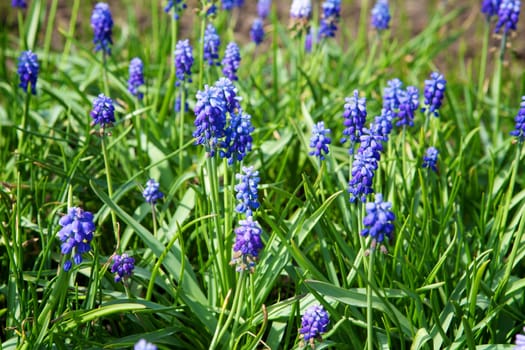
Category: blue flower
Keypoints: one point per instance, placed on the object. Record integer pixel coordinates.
(508, 15)
(409, 104)
(28, 70)
(19, 3)
(392, 94)
(490, 8)
(378, 220)
(257, 31)
(183, 61)
(231, 61)
(263, 8)
(76, 234)
(246, 190)
(519, 130)
(330, 18)
(363, 170)
(314, 323)
(144, 345)
(102, 24)
(382, 125)
(212, 41)
(355, 119)
(177, 5)
(122, 267)
(520, 341)
(301, 9)
(103, 112)
(210, 117)
(430, 158)
(309, 41)
(152, 192)
(247, 244)
(229, 93)
(136, 77)
(381, 15)
(238, 140)
(434, 93)
(319, 141)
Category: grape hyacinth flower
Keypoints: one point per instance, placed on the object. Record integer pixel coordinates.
(210, 118)
(519, 120)
(354, 119)
(76, 234)
(247, 245)
(257, 31)
(319, 141)
(330, 18)
(309, 41)
(144, 345)
(508, 16)
(378, 221)
(212, 41)
(520, 341)
(227, 4)
(183, 61)
(382, 125)
(381, 15)
(229, 93)
(152, 192)
(301, 10)
(177, 5)
(263, 8)
(102, 24)
(363, 170)
(231, 61)
(28, 70)
(490, 8)
(246, 191)
(434, 93)
(313, 324)
(430, 158)
(408, 105)
(238, 140)
(19, 3)
(238, 3)
(136, 77)
(122, 267)
(103, 112)
(392, 94)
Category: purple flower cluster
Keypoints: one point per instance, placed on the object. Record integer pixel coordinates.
(28, 70)
(314, 323)
(520, 341)
(76, 234)
(263, 8)
(144, 345)
(490, 8)
(319, 141)
(102, 24)
(103, 112)
(152, 192)
(378, 220)
(183, 61)
(122, 267)
(508, 16)
(136, 77)
(210, 121)
(247, 244)
(430, 158)
(231, 61)
(354, 119)
(229, 94)
(301, 9)
(434, 93)
(330, 18)
(230, 4)
(246, 190)
(408, 105)
(519, 130)
(177, 5)
(381, 15)
(392, 94)
(257, 31)
(238, 137)
(19, 3)
(212, 41)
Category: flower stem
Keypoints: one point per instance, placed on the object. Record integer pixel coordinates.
(497, 90)
(109, 184)
(182, 110)
(369, 315)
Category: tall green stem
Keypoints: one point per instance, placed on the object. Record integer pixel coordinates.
(182, 110)
(497, 90)
(369, 314)
(483, 63)
(109, 183)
